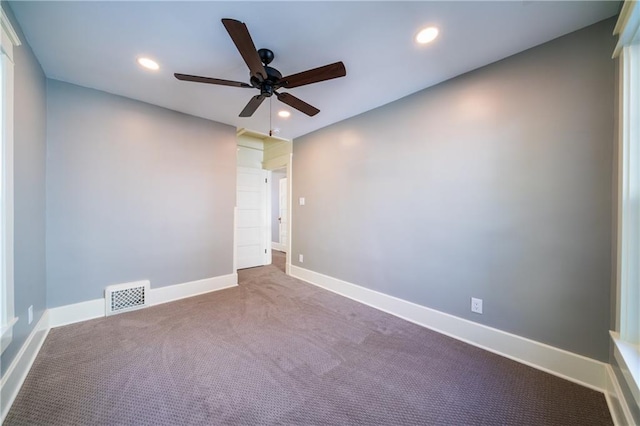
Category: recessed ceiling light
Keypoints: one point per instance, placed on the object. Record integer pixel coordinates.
(148, 63)
(427, 35)
(284, 114)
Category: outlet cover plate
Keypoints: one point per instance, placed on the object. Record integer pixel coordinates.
(476, 305)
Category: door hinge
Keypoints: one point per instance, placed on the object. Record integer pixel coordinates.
(265, 180)
(265, 251)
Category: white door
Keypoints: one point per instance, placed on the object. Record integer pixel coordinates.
(282, 202)
(251, 228)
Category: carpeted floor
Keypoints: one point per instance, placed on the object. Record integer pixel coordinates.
(278, 351)
(278, 259)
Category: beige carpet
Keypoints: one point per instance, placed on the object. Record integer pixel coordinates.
(278, 351)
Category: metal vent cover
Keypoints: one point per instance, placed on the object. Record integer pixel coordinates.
(127, 297)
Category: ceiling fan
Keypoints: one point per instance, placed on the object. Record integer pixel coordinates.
(265, 78)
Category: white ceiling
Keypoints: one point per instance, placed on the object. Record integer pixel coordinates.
(95, 44)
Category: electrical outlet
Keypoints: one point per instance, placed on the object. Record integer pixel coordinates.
(476, 305)
(301, 201)
(30, 314)
(300, 258)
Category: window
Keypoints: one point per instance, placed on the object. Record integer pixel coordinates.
(7, 319)
(627, 334)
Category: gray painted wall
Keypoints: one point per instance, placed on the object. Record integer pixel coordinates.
(134, 192)
(29, 192)
(495, 184)
(275, 204)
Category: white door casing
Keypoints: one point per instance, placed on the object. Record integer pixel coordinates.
(282, 211)
(252, 218)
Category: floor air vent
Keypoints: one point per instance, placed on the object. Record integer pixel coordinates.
(126, 297)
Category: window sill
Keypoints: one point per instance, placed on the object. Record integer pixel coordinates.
(7, 334)
(628, 357)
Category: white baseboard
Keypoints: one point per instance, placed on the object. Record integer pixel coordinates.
(567, 365)
(278, 247)
(618, 406)
(91, 309)
(194, 288)
(77, 312)
(17, 372)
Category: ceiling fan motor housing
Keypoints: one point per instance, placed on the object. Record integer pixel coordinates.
(273, 75)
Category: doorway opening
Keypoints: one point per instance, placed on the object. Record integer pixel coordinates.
(279, 218)
(263, 217)
(279, 210)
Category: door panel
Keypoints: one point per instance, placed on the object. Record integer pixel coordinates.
(283, 199)
(251, 226)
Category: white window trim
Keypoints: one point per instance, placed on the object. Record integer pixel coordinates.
(7, 314)
(626, 337)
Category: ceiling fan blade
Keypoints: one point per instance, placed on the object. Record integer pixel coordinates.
(315, 75)
(242, 39)
(298, 104)
(209, 80)
(252, 106)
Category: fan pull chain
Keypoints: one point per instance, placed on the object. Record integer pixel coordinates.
(270, 114)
